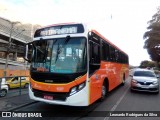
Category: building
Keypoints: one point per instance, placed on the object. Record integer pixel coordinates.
(20, 34)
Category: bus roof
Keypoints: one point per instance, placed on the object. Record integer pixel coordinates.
(71, 23)
(60, 24)
(94, 31)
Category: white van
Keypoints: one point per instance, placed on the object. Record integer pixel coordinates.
(3, 87)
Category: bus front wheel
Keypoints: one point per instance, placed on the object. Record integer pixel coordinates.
(103, 92)
(123, 80)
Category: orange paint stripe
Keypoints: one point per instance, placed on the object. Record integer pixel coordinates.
(57, 87)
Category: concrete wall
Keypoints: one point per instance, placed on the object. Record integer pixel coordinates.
(12, 67)
(12, 73)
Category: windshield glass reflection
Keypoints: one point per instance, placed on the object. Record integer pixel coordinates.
(64, 55)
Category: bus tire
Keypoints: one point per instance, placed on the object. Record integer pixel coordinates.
(123, 80)
(103, 91)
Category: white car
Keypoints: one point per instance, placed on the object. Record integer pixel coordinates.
(3, 87)
(144, 80)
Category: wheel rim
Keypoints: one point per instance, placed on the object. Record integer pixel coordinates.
(3, 93)
(103, 92)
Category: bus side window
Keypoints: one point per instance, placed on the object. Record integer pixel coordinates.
(116, 55)
(94, 53)
(105, 51)
(112, 54)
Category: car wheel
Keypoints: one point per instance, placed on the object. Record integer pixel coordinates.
(3, 93)
(103, 92)
(26, 85)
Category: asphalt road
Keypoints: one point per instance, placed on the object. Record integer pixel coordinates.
(16, 92)
(119, 100)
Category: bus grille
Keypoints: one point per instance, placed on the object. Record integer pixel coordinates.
(55, 95)
(53, 78)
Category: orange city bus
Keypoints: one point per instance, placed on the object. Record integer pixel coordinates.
(72, 65)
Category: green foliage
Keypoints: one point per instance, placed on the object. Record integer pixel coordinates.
(152, 37)
(146, 64)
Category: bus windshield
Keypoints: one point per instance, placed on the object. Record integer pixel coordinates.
(61, 55)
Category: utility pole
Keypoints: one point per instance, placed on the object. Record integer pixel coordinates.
(9, 45)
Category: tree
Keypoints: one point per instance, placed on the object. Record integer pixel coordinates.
(146, 63)
(152, 37)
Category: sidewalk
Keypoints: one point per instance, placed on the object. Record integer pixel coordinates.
(15, 102)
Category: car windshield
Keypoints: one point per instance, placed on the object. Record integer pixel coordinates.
(144, 73)
(62, 55)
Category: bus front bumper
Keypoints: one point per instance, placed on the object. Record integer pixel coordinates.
(80, 98)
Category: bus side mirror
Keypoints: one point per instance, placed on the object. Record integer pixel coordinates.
(90, 35)
(28, 52)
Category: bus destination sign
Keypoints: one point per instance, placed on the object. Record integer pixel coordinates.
(59, 30)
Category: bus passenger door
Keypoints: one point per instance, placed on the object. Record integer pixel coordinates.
(94, 65)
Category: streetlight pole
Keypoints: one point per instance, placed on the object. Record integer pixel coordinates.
(9, 45)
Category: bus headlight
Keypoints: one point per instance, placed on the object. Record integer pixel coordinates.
(73, 90)
(81, 86)
(77, 88)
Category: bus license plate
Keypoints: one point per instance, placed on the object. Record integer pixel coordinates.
(48, 97)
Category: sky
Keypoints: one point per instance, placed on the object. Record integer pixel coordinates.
(123, 22)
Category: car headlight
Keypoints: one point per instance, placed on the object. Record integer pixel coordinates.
(155, 82)
(134, 81)
(77, 88)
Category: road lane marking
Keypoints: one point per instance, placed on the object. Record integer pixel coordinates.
(117, 103)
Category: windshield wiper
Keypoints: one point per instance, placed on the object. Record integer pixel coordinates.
(38, 48)
(66, 40)
(58, 52)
